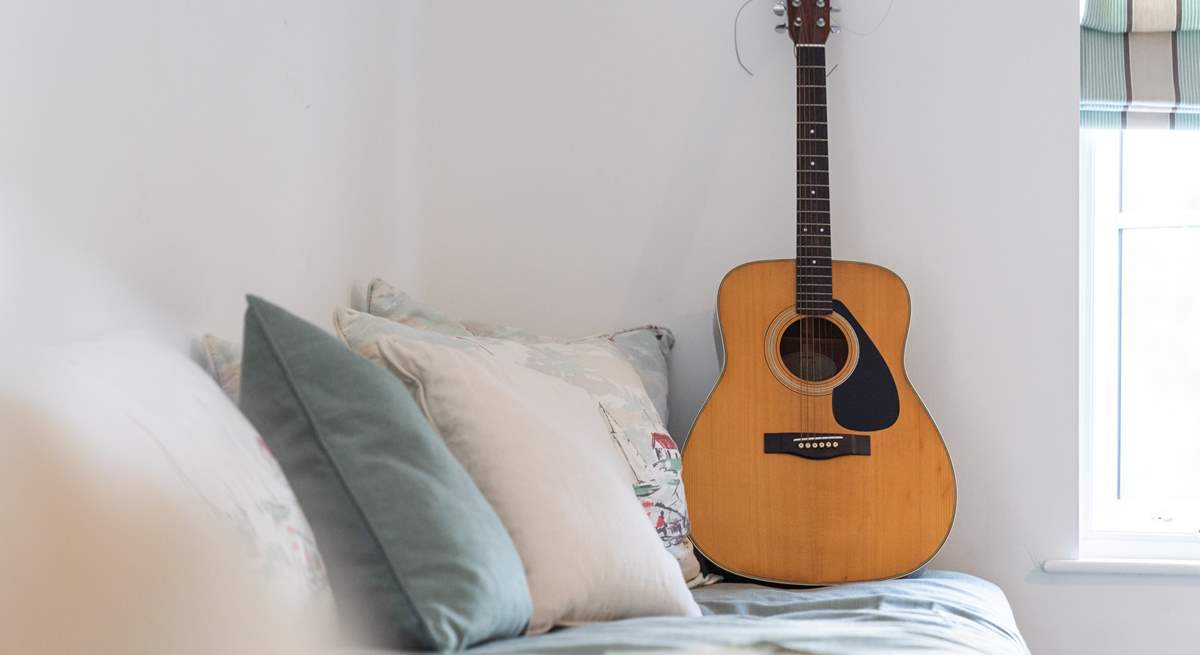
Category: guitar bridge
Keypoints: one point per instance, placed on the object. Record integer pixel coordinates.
(816, 445)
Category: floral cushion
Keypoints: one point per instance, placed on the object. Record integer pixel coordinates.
(142, 405)
(223, 360)
(599, 368)
(647, 347)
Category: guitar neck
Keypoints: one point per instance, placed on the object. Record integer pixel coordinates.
(814, 267)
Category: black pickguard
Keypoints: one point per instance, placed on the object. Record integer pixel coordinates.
(868, 399)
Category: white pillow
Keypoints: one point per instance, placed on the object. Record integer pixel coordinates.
(538, 449)
(142, 408)
(93, 563)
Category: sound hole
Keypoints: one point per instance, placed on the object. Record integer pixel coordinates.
(814, 349)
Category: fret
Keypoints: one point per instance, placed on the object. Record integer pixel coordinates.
(813, 241)
(810, 192)
(812, 163)
(812, 114)
(810, 56)
(812, 177)
(810, 75)
(812, 204)
(812, 130)
(811, 95)
(806, 148)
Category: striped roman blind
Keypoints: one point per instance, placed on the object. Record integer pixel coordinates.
(1140, 64)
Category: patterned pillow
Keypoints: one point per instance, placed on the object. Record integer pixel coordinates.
(647, 348)
(597, 367)
(141, 405)
(223, 360)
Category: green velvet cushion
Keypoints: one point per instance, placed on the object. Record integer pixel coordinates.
(414, 550)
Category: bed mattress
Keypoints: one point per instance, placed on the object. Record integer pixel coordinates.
(934, 612)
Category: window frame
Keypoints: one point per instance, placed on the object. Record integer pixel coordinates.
(1108, 526)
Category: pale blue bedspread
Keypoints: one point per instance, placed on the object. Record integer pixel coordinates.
(937, 612)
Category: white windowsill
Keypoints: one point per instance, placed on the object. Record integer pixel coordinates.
(1110, 566)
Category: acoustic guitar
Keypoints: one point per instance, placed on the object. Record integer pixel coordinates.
(813, 460)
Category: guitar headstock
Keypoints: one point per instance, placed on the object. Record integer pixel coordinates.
(808, 21)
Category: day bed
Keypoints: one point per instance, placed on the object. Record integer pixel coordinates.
(931, 612)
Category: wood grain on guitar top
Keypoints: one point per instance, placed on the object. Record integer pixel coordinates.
(792, 520)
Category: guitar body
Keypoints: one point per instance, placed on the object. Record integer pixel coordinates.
(813, 461)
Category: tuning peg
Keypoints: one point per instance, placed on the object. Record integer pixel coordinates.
(779, 9)
(781, 29)
(836, 10)
(835, 29)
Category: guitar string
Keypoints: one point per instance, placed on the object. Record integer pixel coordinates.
(802, 98)
(822, 325)
(802, 252)
(826, 325)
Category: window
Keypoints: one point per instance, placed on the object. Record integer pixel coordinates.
(1140, 346)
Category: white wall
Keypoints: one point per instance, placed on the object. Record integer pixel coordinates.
(594, 165)
(159, 159)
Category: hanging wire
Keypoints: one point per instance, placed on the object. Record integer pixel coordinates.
(887, 12)
(737, 52)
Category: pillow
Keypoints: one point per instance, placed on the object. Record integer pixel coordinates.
(539, 450)
(223, 360)
(389, 302)
(413, 546)
(101, 560)
(651, 456)
(647, 348)
(143, 407)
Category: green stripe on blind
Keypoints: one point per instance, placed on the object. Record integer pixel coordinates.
(1102, 81)
(1106, 15)
(1188, 45)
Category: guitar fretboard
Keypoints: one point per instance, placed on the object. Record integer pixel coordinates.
(814, 269)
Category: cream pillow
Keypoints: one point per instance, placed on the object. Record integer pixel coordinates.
(539, 450)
